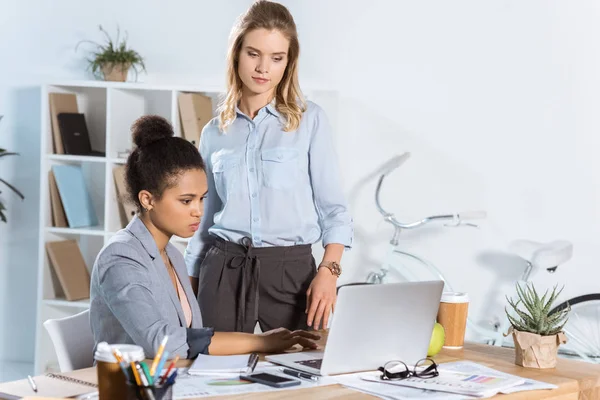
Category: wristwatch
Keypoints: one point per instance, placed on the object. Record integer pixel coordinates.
(332, 266)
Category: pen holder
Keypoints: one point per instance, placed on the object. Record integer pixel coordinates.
(135, 392)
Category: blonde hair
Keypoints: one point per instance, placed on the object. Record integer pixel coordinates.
(289, 100)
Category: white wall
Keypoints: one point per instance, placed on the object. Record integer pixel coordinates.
(497, 101)
(184, 41)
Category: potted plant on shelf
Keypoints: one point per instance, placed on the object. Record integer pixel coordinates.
(537, 332)
(112, 60)
(5, 153)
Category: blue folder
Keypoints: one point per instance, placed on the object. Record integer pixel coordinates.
(75, 196)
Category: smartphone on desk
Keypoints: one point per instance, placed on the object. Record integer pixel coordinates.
(271, 380)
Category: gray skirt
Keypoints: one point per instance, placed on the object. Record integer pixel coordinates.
(241, 285)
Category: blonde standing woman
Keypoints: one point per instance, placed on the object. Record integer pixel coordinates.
(273, 190)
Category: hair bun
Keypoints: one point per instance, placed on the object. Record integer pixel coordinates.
(149, 129)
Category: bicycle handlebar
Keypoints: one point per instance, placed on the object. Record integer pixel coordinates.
(456, 218)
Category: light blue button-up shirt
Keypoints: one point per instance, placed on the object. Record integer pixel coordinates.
(277, 188)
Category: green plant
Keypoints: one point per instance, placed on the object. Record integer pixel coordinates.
(113, 53)
(5, 153)
(537, 318)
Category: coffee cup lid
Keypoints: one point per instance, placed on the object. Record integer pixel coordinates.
(455, 297)
(130, 352)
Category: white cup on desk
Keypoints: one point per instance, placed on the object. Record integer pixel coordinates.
(111, 380)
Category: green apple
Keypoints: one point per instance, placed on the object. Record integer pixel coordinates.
(437, 340)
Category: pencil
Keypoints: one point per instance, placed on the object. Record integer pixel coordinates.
(159, 353)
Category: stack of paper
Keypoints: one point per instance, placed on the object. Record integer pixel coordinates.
(456, 380)
(216, 365)
(228, 384)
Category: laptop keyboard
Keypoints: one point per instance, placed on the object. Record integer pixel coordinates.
(311, 363)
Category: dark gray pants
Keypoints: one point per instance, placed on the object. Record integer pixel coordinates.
(240, 285)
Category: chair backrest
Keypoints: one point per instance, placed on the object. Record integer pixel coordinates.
(73, 341)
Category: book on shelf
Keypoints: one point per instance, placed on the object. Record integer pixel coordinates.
(75, 197)
(60, 103)
(195, 111)
(75, 135)
(69, 267)
(127, 210)
(59, 218)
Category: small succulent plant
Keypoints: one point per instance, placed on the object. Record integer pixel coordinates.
(536, 317)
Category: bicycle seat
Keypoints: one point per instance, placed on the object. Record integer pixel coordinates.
(543, 255)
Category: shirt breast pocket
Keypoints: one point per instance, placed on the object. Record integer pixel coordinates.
(225, 171)
(280, 167)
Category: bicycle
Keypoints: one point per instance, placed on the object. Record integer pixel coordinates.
(583, 335)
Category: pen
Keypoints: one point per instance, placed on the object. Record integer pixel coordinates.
(171, 379)
(161, 364)
(135, 373)
(298, 374)
(158, 355)
(147, 373)
(252, 361)
(164, 378)
(32, 383)
(145, 383)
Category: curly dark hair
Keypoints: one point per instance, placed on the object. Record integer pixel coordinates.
(158, 158)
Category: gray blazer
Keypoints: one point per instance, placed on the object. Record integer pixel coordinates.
(133, 300)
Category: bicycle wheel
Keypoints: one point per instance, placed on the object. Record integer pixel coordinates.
(583, 327)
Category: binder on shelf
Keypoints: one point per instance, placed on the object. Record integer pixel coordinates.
(60, 103)
(195, 111)
(59, 218)
(127, 210)
(69, 266)
(75, 136)
(75, 197)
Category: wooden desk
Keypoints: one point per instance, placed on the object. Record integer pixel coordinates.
(575, 379)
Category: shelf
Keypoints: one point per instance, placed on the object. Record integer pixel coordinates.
(307, 87)
(82, 304)
(110, 108)
(207, 88)
(71, 158)
(91, 231)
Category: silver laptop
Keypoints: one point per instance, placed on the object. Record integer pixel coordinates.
(373, 324)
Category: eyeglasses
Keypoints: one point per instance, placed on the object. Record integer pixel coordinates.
(425, 368)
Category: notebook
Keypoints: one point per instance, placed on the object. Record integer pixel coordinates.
(68, 264)
(127, 209)
(74, 195)
(195, 111)
(216, 365)
(60, 103)
(74, 134)
(49, 385)
(59, 219)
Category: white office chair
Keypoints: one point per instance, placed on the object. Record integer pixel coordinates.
(73, 341)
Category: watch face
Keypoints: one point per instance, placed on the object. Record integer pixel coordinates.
(336, 268)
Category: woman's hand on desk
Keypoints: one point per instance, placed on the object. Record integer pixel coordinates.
(320, 298)
(278, 340)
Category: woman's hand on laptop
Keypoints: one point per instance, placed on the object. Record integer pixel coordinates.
(278, 340)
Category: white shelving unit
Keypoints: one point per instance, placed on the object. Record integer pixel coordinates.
(110, 109)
